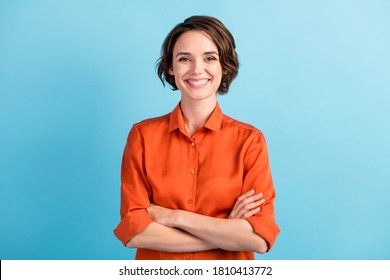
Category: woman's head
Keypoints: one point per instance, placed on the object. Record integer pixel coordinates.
(221, 37)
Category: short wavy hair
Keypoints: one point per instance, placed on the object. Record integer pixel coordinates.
(221, 37)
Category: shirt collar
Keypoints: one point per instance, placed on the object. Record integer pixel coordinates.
(177, 121)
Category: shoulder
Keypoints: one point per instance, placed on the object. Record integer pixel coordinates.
(241, 127)
(149, 128)
(152, 123)
(242, 132)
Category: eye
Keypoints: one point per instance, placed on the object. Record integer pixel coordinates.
(210, 58)
(184, 59)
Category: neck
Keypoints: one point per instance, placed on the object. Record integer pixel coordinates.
(196, 113)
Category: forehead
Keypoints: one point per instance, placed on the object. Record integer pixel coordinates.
(194, 41)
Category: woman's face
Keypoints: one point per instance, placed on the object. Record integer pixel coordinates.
(196, 66)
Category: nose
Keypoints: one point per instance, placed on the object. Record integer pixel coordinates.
(197, 67)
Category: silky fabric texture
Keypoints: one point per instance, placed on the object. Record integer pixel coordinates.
(204, 174)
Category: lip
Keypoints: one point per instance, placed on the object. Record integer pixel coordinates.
(197, 83)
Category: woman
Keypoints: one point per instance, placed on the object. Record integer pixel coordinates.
(196, 184)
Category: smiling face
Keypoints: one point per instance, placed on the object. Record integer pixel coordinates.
(196, 66)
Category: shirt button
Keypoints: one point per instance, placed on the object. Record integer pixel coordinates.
(193, 144)
(192, 171)
(189, 201)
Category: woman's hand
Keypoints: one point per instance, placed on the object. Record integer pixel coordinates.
(162, 215)
(247, 205)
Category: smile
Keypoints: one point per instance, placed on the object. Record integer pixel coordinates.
(197, 83)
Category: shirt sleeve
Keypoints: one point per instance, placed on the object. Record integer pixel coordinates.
(135, 191)
(258, 176)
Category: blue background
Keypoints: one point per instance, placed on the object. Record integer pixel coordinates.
(75, 75)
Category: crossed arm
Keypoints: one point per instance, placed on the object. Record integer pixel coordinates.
(184, 231)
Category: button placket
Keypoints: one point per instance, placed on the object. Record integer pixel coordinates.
(193, 151)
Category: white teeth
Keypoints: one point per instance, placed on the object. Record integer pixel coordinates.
(197, 83)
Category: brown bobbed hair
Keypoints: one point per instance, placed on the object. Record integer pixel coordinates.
(221, 37)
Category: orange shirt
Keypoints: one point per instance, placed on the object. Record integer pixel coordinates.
(204, 174)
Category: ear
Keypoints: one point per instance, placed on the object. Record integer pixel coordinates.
(225, 72)
(170, 71)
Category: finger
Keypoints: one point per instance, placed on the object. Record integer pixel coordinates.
(248, 208)
(246, 201)
(241, 202)
(251, 212)
(240, 213)
(253, 198)
(238, 203)
(243, 197)
(246, 195)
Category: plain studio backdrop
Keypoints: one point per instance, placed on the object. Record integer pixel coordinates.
(75, 75)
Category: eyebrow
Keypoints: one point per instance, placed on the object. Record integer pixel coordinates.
(187, 53)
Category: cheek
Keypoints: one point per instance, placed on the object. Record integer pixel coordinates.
(178, 71)
(217, 71)
(177, 82)
(178, 75)
(179, 79)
